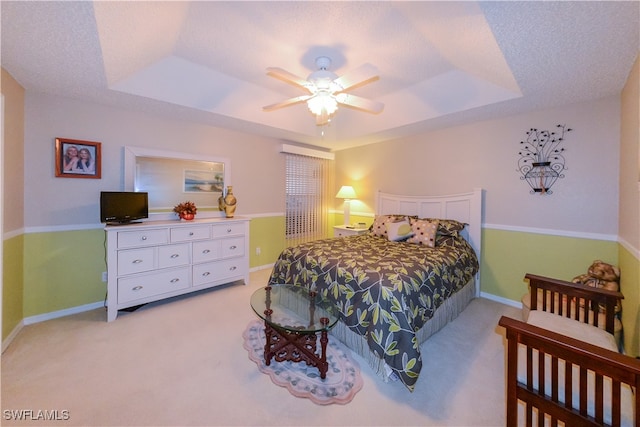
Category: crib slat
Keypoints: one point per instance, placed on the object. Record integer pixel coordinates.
(583, 391)
(595, 310)
(616, 402)
(554, 378)
(599, 399)
(541, 373)
(568, 384)
(529, 368)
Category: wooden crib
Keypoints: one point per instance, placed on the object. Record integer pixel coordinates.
(565, 380)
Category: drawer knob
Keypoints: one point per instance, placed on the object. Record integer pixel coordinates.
(191, 233)
(137, 288)
(144, 237)
(205, 274)
(228, 230)
(232, 268)
(137, 261)
(175, 256)
(233, 247)
(176, 280)
(206, 251)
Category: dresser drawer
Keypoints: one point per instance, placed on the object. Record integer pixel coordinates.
(173, 255)
(232, 247)
(131, 239)
(207, 250)
(213, 271)
(186, 234)
(135, 261)
(148, 285)
(230, 229)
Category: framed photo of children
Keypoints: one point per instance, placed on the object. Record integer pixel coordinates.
(78, 159)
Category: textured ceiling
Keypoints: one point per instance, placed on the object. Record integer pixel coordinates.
(440, 63)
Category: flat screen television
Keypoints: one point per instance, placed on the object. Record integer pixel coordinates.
(123, 207)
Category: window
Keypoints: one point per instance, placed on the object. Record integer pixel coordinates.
(308, 186)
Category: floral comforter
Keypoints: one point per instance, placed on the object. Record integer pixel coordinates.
(385, 291)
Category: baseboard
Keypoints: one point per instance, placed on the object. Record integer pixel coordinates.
(512, 303)
(261, 267)
(61, 313)
(14, 333)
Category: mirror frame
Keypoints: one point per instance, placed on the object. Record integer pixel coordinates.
(132, 153)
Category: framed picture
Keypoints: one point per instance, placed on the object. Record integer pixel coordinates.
(203, 181)
(78, 159)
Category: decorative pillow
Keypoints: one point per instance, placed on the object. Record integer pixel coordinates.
(450, 227)
(397, 231)
(424, 232)
(379, 227)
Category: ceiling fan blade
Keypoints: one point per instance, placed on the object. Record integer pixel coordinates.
(288, 77)
(359, 103)
(357, 77)
(290, 101)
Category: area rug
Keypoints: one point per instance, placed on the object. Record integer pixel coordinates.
(343, 379)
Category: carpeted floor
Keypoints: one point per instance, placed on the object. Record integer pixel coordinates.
(183, 363)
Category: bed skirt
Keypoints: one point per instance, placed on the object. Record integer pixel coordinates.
(449, 310)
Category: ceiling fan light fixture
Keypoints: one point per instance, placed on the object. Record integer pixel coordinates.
(322, 104)
(326, 90)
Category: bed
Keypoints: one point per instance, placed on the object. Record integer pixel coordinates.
(563, 367)
(393, 295)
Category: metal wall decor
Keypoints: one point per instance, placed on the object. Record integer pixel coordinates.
(541, 159)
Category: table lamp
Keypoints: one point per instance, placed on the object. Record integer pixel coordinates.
(347, 193)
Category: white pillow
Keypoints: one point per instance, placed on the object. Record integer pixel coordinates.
(400, 230)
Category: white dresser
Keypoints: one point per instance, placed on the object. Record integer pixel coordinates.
(160, 259)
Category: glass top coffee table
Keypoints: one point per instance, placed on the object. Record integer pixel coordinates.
(293, 316)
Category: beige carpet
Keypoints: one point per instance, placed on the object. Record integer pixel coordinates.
(182, 363)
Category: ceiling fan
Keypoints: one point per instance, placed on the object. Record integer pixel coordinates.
(327, 90)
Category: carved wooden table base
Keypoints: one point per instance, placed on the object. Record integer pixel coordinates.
(282, 345)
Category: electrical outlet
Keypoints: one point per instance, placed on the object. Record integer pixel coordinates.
(104, 276)
(258, 250)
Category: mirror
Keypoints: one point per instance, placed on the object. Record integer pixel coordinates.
(172, 177)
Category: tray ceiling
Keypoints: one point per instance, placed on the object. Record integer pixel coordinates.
(440, 63)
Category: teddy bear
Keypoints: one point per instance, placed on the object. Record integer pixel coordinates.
(601, 275)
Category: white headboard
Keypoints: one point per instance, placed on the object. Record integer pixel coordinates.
(466, 207)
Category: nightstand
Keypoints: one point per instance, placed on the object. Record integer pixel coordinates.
(343, 230)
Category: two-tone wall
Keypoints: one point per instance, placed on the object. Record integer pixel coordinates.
(629, 222)
(54, 256)
(59, 254)
(12, 203)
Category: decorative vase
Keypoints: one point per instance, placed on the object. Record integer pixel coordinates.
(230, 202)
(187, 216)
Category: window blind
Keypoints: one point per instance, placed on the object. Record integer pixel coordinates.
(308, 186)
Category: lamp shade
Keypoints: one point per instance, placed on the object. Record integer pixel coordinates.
(346, 192)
